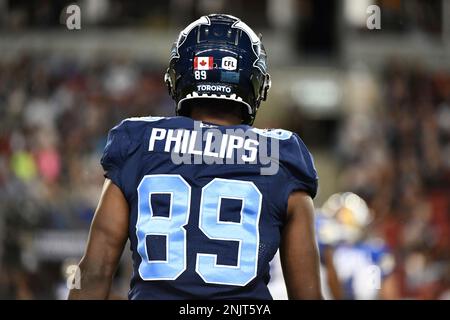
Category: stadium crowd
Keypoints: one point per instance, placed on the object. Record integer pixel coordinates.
(397, 159)
(55, 114)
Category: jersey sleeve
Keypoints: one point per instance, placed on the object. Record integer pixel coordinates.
(299, 164)
(115, 153)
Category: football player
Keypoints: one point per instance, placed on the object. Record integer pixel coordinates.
(364, 265)
(190, 192)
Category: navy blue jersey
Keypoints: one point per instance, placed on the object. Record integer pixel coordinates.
(205, 218)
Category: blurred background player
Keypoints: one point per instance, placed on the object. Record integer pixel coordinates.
(357, 264)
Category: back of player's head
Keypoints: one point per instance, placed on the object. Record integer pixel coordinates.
(218, 57)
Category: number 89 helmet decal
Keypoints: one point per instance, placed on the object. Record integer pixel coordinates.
(218, 56)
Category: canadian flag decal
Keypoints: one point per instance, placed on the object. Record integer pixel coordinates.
(203, 63)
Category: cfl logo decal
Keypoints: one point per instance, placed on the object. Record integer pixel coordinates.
(229, 63)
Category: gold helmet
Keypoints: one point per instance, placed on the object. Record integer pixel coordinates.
(350, 211)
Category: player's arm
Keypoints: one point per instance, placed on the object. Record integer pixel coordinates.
(107, 237)
(298, 250)
(332, 278)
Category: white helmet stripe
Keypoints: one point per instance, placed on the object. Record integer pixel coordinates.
(200, 21)
(244, 27)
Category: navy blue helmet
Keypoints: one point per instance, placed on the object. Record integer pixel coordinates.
(218, 57)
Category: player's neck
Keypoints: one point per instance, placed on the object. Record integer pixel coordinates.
(222, 120)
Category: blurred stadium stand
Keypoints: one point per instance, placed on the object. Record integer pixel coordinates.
(372, 105)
